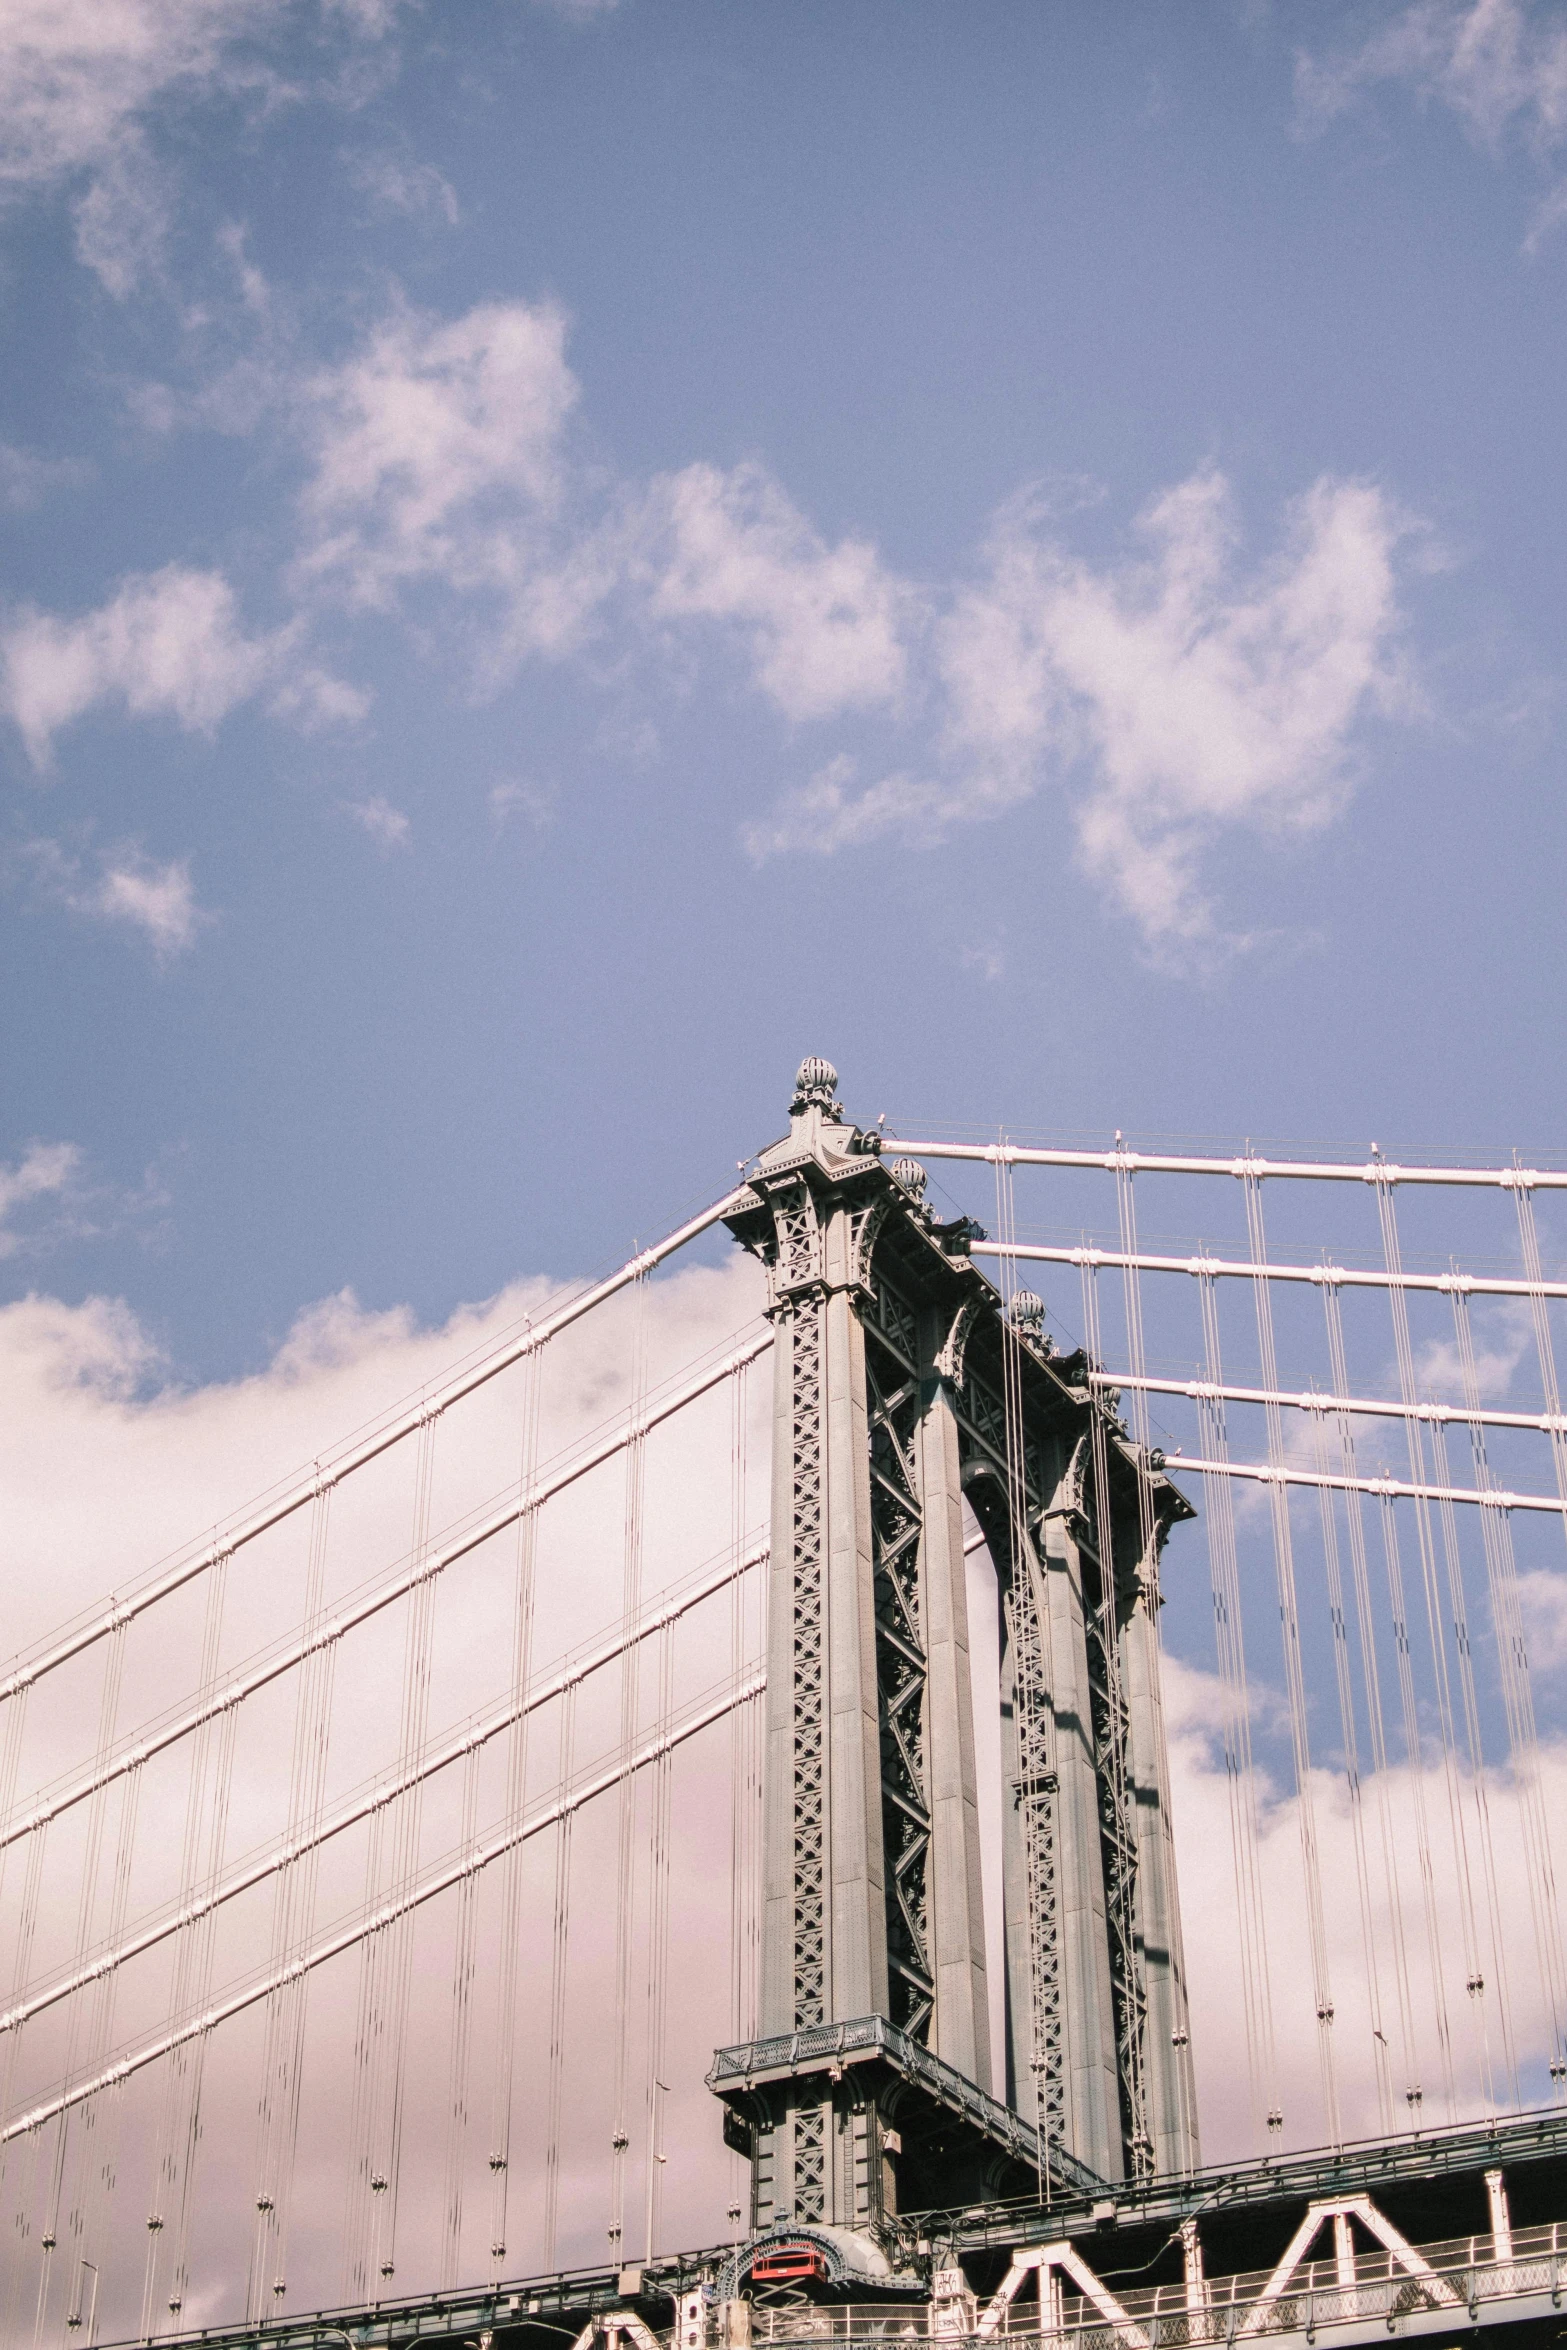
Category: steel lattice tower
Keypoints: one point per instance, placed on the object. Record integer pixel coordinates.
(902, 1387)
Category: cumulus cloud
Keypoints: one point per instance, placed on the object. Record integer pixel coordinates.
(122, 886)
(436, 456)
(824, 625)
(80, 80)
(1171, 693)
(153, 898)
(439, 458)
(158, 900)
(42, 1172)
(1500, 66)
(1175, 695)
(387, 826)
(1508, 1960)
(1189, 698)
(117, 1465)
(168, 643)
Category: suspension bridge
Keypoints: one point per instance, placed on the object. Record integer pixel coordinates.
(967, 1746)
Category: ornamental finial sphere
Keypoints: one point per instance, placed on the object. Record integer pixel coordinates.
(1028, 1311)
(815, 1084)
(911, 1175)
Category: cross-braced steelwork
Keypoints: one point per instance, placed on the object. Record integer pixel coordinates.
(383, 1869)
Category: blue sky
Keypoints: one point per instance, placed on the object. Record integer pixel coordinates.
(556, 558)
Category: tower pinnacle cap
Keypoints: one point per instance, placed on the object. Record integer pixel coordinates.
(815, 1084)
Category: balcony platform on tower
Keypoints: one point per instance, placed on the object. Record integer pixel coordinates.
(945, 2138)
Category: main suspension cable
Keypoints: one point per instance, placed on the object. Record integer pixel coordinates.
(123, 1609)
(381, 1596)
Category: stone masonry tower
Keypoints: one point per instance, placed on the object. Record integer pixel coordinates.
(902, 1389)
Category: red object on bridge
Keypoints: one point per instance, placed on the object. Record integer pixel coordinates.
(786, 2264)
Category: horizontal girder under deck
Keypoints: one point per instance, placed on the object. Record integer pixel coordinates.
(1313, 2309)
(1367, 2165)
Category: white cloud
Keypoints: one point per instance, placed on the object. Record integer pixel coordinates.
(824, 625)
(1500, 66)
(535, 802)
(1173, 697)
(168, 643)
(1201, 1803)
(413, 189)
(437, 456)
(26, 479)
(125, 887)
(827, 813)
(76, 74)
(123, 219)
(111, 1465)
(157, 899)
(1187, 699)
(313, 698)
(81, 79)
(1172, 693)
(387, 826)
(43, 1171)
(987, 963)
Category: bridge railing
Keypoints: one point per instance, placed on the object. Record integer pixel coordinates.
(1458, 2277)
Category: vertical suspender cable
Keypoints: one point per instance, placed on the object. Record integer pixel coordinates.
(1338, 1620)
(292, 1902)
(416, 1715)
(1375, 1721)
(26, 1929)
(630, 1705)
(1477, 1786)
(100, 2157)
(1545, 1351)
(1240, 1772)
(196, 1797)
(108, 1714)
(516, 1793)
(1398, 1307)
(739, 1770)
(658, 1940)
(1512, 1654)
(1294, 1670)
(191, 2059)
(462, 2015)
(1137, 1364)
(1416, 1760)
(559, 1963)
(1540, 1314)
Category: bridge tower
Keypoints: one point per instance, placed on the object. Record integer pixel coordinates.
(903, 1387)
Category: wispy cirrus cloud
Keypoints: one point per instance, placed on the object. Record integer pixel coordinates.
(81, 82)
(43, 1172)
(387, 826)
(122, 886)
(1499, 66)
(26, 478)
